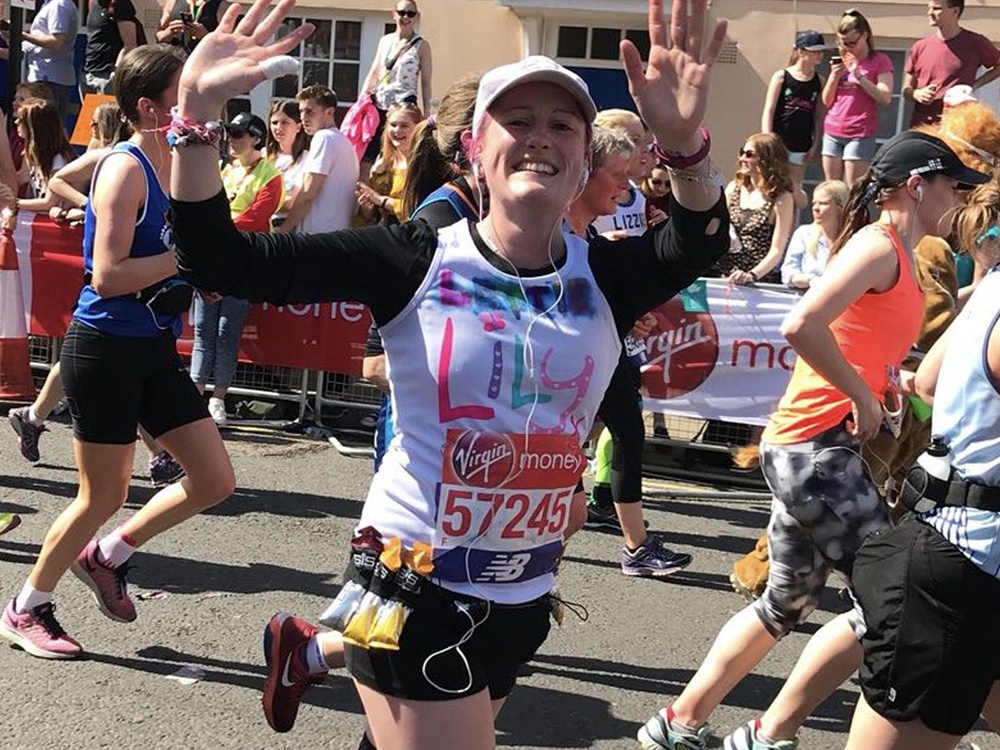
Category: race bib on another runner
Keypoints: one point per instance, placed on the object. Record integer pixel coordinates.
(503, 505)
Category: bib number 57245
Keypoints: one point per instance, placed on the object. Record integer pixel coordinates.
(518, 515)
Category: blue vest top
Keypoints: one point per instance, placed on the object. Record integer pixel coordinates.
(124, 316)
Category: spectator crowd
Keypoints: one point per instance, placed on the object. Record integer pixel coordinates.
(414, 210)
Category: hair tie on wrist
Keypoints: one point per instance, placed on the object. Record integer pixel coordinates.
(677, 160)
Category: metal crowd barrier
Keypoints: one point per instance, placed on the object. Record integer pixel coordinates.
(676, 448)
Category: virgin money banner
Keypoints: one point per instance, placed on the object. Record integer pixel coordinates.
(717, 352)
(327, 336)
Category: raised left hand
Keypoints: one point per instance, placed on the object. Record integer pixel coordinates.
(226, 63)
(672, 92)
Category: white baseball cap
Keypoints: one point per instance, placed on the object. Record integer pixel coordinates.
(498, 81)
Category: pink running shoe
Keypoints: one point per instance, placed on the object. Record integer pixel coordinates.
(285, 638)
(38, 632)
(108, 584)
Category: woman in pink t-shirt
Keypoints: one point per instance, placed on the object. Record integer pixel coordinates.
(860, 80)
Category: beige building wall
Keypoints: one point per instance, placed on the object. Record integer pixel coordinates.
(470, 35)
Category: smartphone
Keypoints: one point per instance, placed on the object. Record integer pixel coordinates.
(836, 60)
(187, 18)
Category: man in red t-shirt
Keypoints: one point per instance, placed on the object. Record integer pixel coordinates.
(948, 57)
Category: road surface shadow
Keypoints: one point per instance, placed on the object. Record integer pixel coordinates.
(180, 575)
(754, 693)
(543, 717)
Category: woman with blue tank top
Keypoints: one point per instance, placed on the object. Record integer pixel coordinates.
(930, 587)
(121, 369)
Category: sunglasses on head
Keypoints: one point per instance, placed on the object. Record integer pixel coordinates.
(748, 153)
(406, 13)
(993, 233)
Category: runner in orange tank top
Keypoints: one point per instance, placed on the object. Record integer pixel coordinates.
(850, 331)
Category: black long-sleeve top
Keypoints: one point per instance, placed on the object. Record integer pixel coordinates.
(383, 267)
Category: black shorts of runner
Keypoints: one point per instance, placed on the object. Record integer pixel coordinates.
(114, 383)
(505, 637)
(931, 647)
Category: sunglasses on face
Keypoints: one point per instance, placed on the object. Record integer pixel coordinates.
(747, 153)
(657, 183)
(406, 13)
(850, 42)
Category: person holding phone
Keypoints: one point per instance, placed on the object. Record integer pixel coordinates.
(185, 22)
(860, 82)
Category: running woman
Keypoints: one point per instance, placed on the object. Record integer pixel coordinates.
(120, 369)
(825, 503)
(470, 316)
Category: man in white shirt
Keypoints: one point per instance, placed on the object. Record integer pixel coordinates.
(326, 200)
(48, 49)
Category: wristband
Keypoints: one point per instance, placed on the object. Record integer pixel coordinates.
(677, 160)
(753, 275)
(183, 131)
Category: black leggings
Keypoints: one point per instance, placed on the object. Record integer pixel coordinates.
(621, 412)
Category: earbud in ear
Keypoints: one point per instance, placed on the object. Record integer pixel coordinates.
(584, 177)
(920, 193)
(475, 170)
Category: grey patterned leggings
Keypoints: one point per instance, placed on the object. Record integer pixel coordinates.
(824, 505)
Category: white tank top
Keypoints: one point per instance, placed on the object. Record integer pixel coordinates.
(494, 388)
(630, 216)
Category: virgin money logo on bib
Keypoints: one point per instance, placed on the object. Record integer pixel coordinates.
(681, 350)
(483, 459)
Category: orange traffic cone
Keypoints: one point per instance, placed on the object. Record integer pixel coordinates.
(16, 383)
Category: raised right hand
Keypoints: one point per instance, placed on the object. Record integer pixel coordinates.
(226, 63)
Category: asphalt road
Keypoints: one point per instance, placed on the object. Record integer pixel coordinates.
(279, 543)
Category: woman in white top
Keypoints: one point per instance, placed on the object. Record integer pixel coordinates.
(402, 64)
(287, 148)
(495, 306)
(809, 247)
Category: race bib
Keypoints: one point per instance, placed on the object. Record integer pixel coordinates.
(503, 505)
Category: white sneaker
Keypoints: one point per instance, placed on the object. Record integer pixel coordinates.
(217, 411)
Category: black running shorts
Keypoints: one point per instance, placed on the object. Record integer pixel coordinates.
(506, 637)
(932, 650)
(114, 383)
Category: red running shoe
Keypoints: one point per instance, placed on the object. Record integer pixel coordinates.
(288, 678)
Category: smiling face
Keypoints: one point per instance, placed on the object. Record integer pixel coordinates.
(284, 129)
(405, 15)
(532, 147)
(400, 125)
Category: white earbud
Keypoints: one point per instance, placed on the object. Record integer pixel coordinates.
(475, 170)
(920, 193)
(584, 177)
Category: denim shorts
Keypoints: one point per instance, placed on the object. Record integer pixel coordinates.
(798, 158)
(849, 149)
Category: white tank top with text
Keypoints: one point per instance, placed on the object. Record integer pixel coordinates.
(495, 385)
